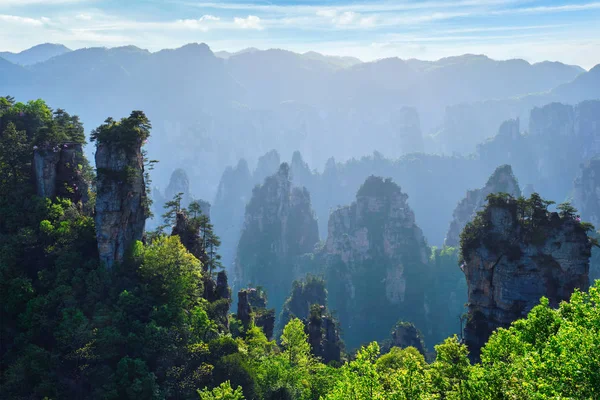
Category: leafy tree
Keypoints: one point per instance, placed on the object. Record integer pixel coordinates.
(14, 156)
(173, 274)
(360, 379)
(295, 343)
(451, 367)
(222, 392)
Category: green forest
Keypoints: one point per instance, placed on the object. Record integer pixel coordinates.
(158, 323)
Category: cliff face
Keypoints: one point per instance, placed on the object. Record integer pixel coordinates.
(405, 335)
(586, 197)
(120, 199)
(376, 258)
(178, 183)
(59, 172)
(563, 136)
(267, 165)
(227, 212)
(252, 306)
(279, 227)
(514, 254)
(324, 335)
(501, 181)
(586, 193)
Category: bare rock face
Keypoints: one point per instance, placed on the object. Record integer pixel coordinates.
(279, 226)
(227, 212)
(222, 289)
(244, 311)
(586, 194)
(376, 256)
(586, 197)
(501, 181)
(179, 183)
(189, 236)
(252, 306)
(515, 253)
(58, 172)
(120, 200)
(564, 134)
(323, 334)
(406, 335)
(267, 165)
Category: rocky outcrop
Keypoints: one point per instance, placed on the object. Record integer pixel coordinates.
(222, 290)
(514, 253)
(252, 306)
(304, 294)
(563, 136)
(227, 213)
(376, 257)
(406, 334)
(586, 193)
(267, 165)
(586, 197)
(300, 171)
(324, 335)
(59, 171)
(179, 183)
(120, 199)
(279, 227)
(189, 236)
(244, 311)
(501, 181)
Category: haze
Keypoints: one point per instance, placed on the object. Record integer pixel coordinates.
(205, 195)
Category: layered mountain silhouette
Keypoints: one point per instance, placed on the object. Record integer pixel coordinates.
(225, 106)
(36, 54)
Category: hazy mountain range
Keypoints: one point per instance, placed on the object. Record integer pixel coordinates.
(36, 54)
(225, 106)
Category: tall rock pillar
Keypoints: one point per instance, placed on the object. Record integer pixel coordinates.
(121, 204)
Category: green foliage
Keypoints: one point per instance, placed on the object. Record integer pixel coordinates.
(62, 128)
(532, 222)
(295, 343)
(127, 132)
(173, 275)
(72, 329)
(222, 392)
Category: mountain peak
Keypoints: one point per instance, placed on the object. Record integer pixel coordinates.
(35, 54)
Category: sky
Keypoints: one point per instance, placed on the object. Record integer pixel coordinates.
(535, 30)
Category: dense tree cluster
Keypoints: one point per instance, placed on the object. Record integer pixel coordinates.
(149, 329)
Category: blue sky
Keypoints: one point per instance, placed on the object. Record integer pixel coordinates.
(557, 30)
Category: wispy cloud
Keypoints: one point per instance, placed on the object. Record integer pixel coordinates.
(367, 29)
(250, 22)
(375, 6)
(14, 19)
(24, 3)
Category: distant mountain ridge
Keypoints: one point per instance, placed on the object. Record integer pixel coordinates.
(35, 54)
(226, 106)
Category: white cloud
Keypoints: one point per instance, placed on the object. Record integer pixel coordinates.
(203, 23)
(23, 20)
(84, 17)
(251, 22)
(346, 19)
